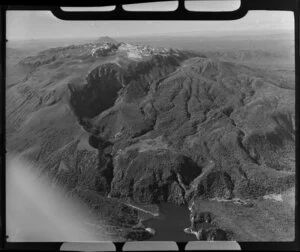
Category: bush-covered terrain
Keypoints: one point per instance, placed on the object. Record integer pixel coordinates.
(176, 127)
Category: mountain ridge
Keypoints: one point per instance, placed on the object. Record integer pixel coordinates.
(153, 124)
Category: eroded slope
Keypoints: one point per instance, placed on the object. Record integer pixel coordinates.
(164, 126)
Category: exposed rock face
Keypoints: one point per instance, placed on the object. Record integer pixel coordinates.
(104, 50)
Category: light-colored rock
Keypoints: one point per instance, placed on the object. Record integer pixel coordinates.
(150, 230)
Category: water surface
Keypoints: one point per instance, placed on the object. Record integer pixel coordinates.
(171, 222)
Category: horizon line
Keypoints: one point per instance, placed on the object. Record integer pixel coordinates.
(241, 32)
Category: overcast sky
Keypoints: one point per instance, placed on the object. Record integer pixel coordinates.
(43, 24)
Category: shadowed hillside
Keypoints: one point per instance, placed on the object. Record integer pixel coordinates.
(152, 125)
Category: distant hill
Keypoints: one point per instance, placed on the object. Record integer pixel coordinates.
(105, 39)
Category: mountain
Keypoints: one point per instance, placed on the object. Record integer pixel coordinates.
(152, 125)
(105, 39)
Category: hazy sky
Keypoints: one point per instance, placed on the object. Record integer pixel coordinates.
(43, 24)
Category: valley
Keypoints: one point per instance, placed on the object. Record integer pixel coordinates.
(133, 131)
